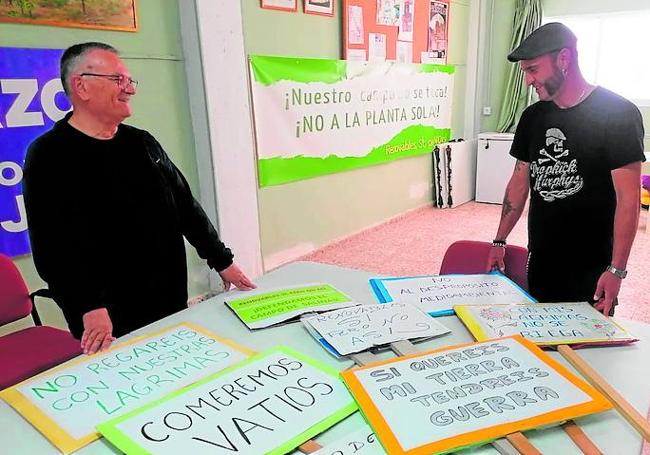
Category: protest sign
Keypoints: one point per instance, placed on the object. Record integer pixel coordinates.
(468, 394)
(545, 324)
(362, 327)
(265, 308)
(67, 402)
(437, 294)
(269, 404)
(360, 442)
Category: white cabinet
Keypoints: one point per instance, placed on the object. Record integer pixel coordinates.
(494, 166)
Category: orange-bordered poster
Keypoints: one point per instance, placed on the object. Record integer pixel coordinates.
(469, 394)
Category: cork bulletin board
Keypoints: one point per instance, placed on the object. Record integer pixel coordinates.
(408, 31)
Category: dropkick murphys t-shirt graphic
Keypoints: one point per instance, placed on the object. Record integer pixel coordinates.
(571, 154)
(555, 174)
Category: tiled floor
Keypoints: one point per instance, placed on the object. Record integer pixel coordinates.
(416, 242)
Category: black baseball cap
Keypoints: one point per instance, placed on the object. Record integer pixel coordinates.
(547, 38)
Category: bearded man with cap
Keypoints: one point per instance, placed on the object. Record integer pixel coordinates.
(579, 151)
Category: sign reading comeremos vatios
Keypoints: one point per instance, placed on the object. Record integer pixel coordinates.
(270, 404)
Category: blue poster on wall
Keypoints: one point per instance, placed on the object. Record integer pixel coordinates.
(31, 100)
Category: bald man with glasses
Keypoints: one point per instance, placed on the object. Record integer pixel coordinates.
(108, 211)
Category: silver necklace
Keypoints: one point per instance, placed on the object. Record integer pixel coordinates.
(579, 100)
(582, 95)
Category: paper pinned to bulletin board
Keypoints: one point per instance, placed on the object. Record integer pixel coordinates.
(67, 402)
(469, 394)
(407, 31)
(545, 324)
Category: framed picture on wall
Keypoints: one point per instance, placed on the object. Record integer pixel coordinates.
(96, 14)
(320, 7)
(280, 5)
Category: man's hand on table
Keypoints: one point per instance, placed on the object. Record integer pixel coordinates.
(98, 331)
(234, 275)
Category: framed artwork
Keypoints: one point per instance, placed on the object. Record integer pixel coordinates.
(280, 5)
(96, 14)
(320, 7)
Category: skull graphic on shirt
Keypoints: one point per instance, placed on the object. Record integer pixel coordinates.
(554, 173)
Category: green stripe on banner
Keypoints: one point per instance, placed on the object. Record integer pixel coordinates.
(431, 68)
(412, 141)
(269, 70)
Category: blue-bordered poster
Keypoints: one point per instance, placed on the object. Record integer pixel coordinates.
(437, 294)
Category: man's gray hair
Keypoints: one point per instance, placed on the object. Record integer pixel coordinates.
(74, 55)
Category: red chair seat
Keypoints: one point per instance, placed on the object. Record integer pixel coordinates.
(469, 256)
(27, 352)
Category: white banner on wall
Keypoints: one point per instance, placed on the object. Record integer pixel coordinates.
(315, 117)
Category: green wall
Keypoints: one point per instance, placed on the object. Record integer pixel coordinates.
(298, 217)
(270, 32)
(154, 56)
(498, 38)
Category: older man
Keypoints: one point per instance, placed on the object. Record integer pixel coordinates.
(579, 152)
(107, 209)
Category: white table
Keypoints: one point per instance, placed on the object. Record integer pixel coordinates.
(627, 368)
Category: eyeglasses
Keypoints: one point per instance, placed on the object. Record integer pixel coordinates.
(121, 80)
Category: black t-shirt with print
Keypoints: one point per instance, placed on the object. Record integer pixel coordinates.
(571, 154)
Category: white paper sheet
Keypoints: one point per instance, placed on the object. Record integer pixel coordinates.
(404, 52)
(361, 327)
(376, 47)
(426, 57)
(355, 24)
(356, 55)
(388, 12)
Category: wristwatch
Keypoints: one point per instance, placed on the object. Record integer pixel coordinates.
(618, 272)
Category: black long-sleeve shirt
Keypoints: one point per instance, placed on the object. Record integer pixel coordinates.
(106, 223)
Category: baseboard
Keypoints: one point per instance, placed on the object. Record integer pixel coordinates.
(274, 264)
